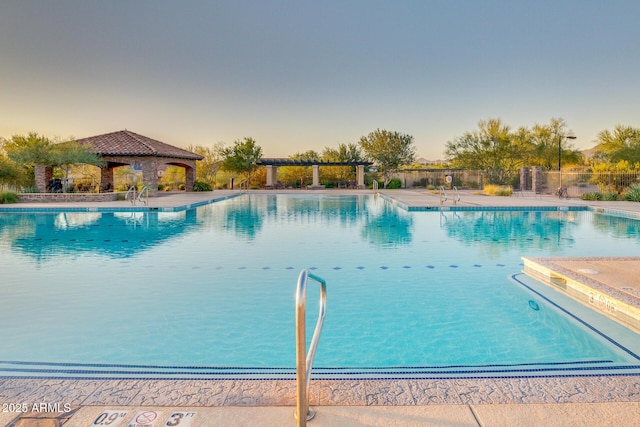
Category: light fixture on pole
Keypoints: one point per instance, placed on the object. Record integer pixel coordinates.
(560, 159)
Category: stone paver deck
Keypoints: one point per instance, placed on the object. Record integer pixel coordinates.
(549, 401)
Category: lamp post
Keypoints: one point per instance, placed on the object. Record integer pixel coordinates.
(560, 160)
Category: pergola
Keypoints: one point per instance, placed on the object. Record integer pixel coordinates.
(273, 164)
(129, 148)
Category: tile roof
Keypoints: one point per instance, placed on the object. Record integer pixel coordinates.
(127, 143)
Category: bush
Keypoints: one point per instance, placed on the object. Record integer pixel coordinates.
(596, 195)
(497, 190)
(8, 197)
(394, 184)
(201, 186)
(632, 194)
(610, 197)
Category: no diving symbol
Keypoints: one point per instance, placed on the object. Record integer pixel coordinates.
(144, 418)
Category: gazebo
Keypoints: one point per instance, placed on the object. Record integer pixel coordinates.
(129, 148)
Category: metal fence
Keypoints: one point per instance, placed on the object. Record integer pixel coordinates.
(577, 183)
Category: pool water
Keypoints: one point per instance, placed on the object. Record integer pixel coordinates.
(214, 287)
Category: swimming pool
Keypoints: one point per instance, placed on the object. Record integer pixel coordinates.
(208, 292)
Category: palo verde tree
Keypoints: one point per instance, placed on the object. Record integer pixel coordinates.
(36, 149)
(344, 153)
(67, 154)
(550, 139)
(242, 157)
(620, 144)
(299, 174)
(388, 150)
(208, 167)
(492, 149)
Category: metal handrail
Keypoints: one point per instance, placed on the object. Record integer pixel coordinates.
(304, 363)
(457, 198)
(131, 189)
(443, 195)
(246, 182)
(145, 190)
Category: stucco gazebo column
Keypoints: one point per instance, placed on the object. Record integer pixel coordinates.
(316, 176)
(272, 176)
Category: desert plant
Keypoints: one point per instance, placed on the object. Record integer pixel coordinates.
(201, 186)
(395, 183)
(8, 197)
(610, 197)
(632, 194)
(595, 195)
(497, 190)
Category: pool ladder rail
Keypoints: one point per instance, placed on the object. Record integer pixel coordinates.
(137, 196)
(444, 198)
(304, 362)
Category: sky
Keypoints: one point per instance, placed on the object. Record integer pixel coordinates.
(305, 75)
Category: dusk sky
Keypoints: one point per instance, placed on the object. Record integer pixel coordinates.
(302, 75)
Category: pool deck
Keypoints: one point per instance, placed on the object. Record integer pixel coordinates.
(529, 401)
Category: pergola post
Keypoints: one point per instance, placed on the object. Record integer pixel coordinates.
(360, 175)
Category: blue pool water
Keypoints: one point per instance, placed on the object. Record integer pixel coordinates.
(210, 290)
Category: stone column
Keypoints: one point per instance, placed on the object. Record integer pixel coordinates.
(43, 175)
(316, 176)
(360, 176)
(190, 178)
(106, 179)
(536, 181)
(525, 174)
(150, 175)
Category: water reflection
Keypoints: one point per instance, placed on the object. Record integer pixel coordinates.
(511, 229)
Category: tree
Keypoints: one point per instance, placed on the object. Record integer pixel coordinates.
(344, 153)
(623, 143)
(242, 157)
(388, 150)
(551, 139)
(492, 149)
(68, 154)
(27, 151)
(299, 173)
(10, 172)
(208, 167)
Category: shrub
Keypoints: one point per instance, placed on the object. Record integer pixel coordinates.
(395, 183)
(431, 187)
(8, 197)
(201, 186)
(610, 197)
(497, 190)
(632, 194)
(595, 195)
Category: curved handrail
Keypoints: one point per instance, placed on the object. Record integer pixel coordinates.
(457, 198)
(443, 195)
(304, 363)
(145, 190)
(133, 190)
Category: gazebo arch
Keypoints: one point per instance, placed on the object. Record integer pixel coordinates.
(129, 148)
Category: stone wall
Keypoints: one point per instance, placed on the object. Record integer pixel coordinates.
(67, 197)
